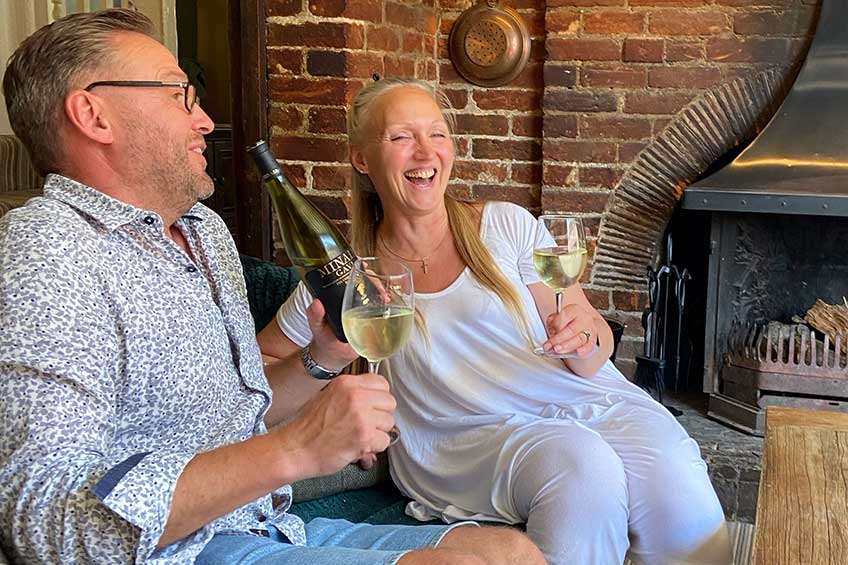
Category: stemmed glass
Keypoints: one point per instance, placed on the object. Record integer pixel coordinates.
(559, 255)
(378, 311)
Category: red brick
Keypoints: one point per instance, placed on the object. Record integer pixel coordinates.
(600, 299)
(567, 49)
(366, 10)
(287, 118)
(559, 125)
(579, 151)
(676, 22)
(527, 126)
(331, 177)
(482, 124)
(530, 77)
(412, 41)
(520, 195)
(629, 300)
(518, 150)
(656, 103)
(571, 200)
(607, 22)
(411, 17)
(604, 177)
(448, 74)
(581, 3)
(527, 173)
(507, 99)
(327, 120)
(792, 22)
(299, 148)
(283, 61)
(579, 101)
(643, 50)
(614, 127)
(750, 50)
(362, 64)
(559, 175)
(684, 77)
(296, 174)
(458, 98)
(326, 63)
(381, 38)
(459, 191)
(613, 77)
(670, 3)
(399, 66)
(684, 51)
(627, 152)
(284, 7)
(562, 21)
(560, 75)
(320, 34)
(446, 23)
(327, 91)
(761, 3)
(535, 22)
(483, 171)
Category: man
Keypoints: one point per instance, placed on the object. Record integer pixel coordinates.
(132, 392)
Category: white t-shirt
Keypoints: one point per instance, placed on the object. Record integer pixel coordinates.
(468, 396)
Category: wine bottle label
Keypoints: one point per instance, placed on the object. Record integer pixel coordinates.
(328, 284)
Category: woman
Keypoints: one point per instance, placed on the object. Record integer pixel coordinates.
(489, 430)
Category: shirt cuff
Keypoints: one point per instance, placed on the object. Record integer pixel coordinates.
(140, 490)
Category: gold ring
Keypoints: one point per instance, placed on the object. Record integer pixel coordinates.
(588, 334)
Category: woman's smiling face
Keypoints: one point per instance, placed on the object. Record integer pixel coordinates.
(408, 153)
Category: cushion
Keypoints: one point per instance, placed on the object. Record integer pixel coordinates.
(16, 170)
(268, 286)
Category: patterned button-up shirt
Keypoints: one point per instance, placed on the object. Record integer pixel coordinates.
(121, 357)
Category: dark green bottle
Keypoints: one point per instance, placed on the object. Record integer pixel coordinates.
(314, 244)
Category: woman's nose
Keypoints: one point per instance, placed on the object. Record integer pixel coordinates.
(423, 147)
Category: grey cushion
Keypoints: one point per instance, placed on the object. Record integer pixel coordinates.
(16, 170)
(349, 478)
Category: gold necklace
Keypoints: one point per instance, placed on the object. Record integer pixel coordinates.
(425, 261)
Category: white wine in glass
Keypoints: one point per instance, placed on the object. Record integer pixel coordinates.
(559, 256)
(378, 311)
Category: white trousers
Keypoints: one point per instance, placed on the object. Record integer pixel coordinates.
(591, 489)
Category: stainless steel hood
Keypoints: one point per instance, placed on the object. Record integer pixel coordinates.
(799, 162)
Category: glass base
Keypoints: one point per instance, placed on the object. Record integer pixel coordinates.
(568, 355)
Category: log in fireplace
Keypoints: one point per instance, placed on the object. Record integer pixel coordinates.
(779, 242)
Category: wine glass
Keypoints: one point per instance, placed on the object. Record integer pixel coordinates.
(559, 255)
(378, 311)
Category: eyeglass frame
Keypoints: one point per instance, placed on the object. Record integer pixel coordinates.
(187, 87)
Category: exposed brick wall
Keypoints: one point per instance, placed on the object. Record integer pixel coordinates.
(618, 71)
(604, 79)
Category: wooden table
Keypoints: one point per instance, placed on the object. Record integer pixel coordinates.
(802, 512)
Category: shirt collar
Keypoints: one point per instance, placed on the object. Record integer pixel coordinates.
(110, 212)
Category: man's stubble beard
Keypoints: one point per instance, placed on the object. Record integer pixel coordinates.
(162, 169)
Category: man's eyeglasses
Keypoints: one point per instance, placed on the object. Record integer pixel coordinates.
(189, 91)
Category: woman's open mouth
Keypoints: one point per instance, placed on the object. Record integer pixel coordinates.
(421, 177)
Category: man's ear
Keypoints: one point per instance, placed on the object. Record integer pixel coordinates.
(357, 159)
(85, 112)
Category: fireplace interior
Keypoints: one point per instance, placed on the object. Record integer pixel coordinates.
(778, 246)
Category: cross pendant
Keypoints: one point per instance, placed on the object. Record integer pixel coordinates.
(425, 264)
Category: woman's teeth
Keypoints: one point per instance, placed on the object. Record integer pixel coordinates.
(426, 174)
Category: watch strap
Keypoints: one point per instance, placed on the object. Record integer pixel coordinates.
(314, 369)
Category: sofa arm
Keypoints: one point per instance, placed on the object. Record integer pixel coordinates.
(349, 478)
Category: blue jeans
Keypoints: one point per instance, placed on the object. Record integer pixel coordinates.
(329, 542)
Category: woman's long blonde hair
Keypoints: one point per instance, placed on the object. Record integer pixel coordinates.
(462, 216)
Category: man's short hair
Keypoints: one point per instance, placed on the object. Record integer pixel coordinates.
(49, 64)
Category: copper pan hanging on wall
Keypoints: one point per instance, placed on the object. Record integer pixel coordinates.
(489, 45)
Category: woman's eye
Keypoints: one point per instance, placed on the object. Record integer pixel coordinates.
(399, 137)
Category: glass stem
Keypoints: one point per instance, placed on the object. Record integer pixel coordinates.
(373, 366)
(558, 302)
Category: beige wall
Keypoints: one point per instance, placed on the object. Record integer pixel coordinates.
(19, 18)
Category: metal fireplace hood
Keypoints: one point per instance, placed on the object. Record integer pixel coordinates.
(799, 162)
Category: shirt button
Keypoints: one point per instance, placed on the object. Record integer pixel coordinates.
(191, 269)
(149, 220)
(262, 518)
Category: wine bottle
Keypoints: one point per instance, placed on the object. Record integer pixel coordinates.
(317, 249)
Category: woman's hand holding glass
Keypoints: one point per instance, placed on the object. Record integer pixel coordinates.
(378, 311)
(560, 256)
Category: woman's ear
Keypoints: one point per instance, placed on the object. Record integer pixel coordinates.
(357, 159)
(85, 113)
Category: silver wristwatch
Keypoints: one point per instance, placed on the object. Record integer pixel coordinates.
(313, 368)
